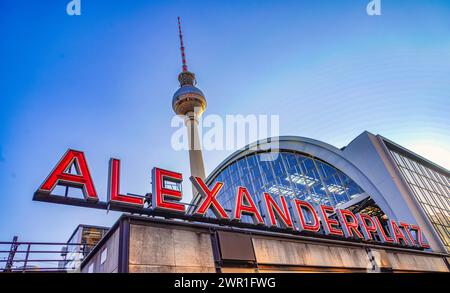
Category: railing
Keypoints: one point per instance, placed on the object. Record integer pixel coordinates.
(24, 257)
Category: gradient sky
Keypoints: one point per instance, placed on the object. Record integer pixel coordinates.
(103, 82)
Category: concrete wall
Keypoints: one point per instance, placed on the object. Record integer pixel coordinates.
(412, 262)
(284, 252)
(106, 259)
(169, 249)
(316, 257)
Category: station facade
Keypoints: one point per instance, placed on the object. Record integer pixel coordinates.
(368, 176)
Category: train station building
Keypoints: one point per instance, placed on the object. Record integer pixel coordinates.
(371, 176)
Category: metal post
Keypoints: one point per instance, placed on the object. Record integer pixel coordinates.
(26, 258)
(12, 253)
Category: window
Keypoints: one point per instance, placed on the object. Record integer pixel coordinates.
(431, 189)
(104, 256)
(91, 268)
(290, 174)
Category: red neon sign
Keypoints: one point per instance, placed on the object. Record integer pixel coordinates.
(244, 205)
(165, 198)
(61, 176)
(330, 225)
(209, 198)
(380, 230)
(349, 224)
(367, 229)
(406, 228)
(419, 236)
(114, 187)
(301, 207)
(398, 234)
(273, 212)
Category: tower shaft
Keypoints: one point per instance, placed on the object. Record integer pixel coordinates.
(195, 151)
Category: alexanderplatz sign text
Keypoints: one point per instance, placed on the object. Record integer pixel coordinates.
(166, 202)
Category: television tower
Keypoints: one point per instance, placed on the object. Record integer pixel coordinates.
(189, 101)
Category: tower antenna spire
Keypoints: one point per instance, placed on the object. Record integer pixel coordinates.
(183, 54)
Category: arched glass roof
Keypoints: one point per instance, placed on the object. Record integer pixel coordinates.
(287, 173)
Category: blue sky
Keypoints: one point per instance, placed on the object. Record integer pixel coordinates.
(102, 82)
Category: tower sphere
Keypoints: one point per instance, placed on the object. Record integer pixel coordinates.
(188, 98)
